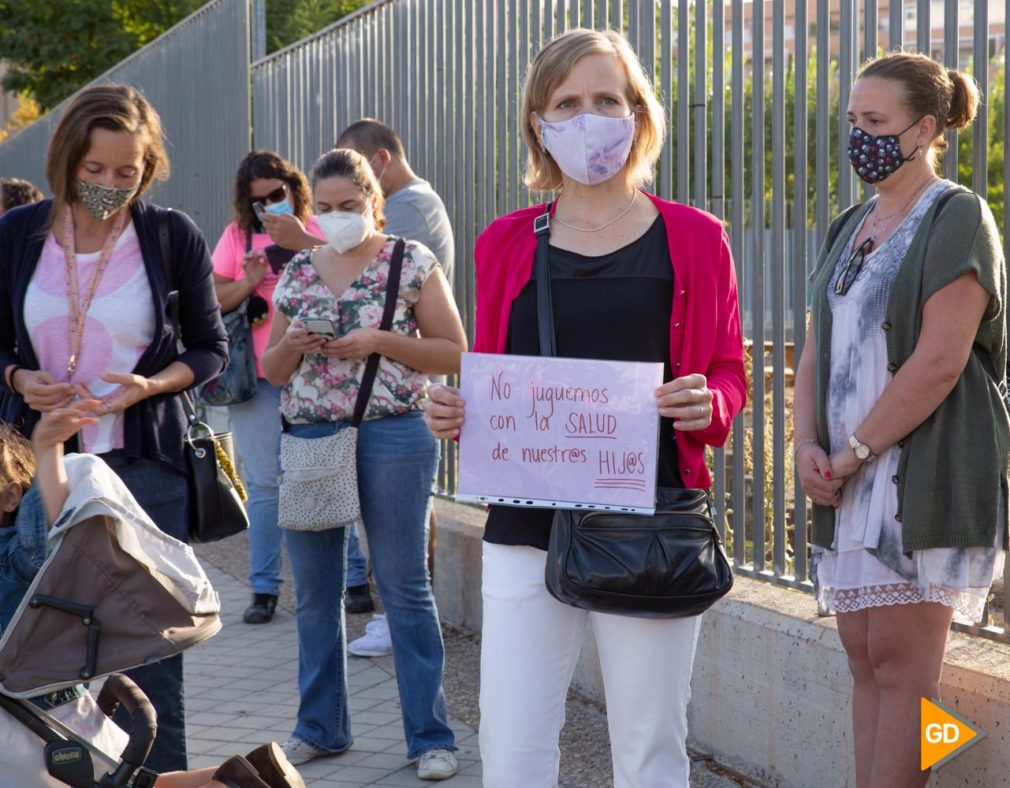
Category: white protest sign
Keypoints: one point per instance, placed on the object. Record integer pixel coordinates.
(559, 432)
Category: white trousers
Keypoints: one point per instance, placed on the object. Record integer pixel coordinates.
(529, 647)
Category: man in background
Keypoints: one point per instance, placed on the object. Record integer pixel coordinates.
(415, 212)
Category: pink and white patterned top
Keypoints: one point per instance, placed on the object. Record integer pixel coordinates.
(119, 327)
(325, 389)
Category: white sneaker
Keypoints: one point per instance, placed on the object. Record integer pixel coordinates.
(376, 641)
(299, 751)
(437, 764)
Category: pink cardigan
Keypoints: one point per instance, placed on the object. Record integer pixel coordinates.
(705, 334)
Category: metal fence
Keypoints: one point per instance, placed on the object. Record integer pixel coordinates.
(446, 74)
(196, 76)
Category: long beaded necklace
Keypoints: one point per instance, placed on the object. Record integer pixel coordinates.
(617, 218)
(78, 307)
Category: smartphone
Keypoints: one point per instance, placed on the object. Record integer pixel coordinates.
(278, 257)
(321, 326)
(259, 210)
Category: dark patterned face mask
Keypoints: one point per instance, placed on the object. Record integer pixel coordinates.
(102, 201)
(875, 158)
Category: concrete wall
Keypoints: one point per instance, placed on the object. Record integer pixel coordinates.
(770, 693)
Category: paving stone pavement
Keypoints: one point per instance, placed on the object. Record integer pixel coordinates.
(242, 691)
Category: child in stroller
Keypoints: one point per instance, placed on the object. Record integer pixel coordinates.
(34, 486)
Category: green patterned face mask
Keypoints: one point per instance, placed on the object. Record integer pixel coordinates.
(102, 201)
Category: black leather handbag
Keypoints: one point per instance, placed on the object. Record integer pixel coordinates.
(216, 495)
(670, 564)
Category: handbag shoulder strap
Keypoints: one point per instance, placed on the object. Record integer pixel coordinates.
(545, 304)
(372, 365)
(173, 305)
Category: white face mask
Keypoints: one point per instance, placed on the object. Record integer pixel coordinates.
(345, 230)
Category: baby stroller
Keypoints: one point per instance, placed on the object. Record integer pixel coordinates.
(114, 593)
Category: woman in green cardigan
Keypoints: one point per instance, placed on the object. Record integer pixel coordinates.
(902, 432)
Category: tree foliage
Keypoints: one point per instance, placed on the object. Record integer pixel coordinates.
(54, 47)
(292, 20)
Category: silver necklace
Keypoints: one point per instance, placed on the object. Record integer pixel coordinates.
(619, 216)
(878, 219)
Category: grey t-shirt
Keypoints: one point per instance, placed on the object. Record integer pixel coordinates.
(417, 213)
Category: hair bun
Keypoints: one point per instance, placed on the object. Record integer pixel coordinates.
(964, 99)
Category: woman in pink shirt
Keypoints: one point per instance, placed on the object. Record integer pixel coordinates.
(248, 260)
(634, 278)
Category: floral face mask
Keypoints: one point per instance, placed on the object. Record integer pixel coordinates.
(102, 201)
(876, 157)
(589, 148)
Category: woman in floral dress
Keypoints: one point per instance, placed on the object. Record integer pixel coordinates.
(344, 282)
(902, 431)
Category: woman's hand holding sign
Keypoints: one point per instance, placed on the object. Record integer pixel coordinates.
(443, 410)
(686, 400)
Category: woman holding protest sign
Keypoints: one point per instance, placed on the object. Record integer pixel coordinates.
(647, 280)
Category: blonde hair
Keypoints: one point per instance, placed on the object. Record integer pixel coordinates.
(17, 458)
(949, 95)
(551, 66)
(112, 107)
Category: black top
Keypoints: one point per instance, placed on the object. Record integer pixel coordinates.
(615, 307)
(154, 427)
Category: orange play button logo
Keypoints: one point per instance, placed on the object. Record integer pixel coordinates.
(944, 735)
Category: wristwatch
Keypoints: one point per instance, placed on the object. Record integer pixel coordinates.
(863, 452)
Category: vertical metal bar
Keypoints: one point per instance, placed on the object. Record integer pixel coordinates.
(718, 205)
(561, 14)
(950, 46)
(739, 499)
(846, 70)
(259, 29)
(980, 65)
(923, 27)
(501, 106)
(647, 38)
(799, 227)
(869, 29)
(700, 104)
(896, 25)
(758, 278)
(633, 28)
(684, 102)
(617, 15)
(536, 26)
(601, 15)
(1006, 135)
(822, 122)
(511, 176)
(666, 91)
(778, 109)
(522, 39)
(548, 20)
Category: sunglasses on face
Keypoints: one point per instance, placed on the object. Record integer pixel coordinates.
(853, 267)
(276, 195)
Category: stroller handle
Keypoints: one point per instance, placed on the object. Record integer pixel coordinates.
(143, 724)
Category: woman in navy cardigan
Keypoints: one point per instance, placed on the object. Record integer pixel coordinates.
(84, 313)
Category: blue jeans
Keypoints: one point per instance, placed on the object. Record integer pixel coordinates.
(397, 460)
(163, 493)
(357, 564)
(256, 426)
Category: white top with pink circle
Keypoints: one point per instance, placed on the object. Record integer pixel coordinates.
(119, 328)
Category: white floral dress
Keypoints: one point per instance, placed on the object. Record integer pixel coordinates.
(325, 389)
(866, 566)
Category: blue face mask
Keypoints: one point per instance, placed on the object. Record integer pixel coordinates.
(280, 208)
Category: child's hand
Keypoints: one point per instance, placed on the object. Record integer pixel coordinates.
(59, 425)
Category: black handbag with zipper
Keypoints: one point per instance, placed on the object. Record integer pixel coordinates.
(670, 564)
